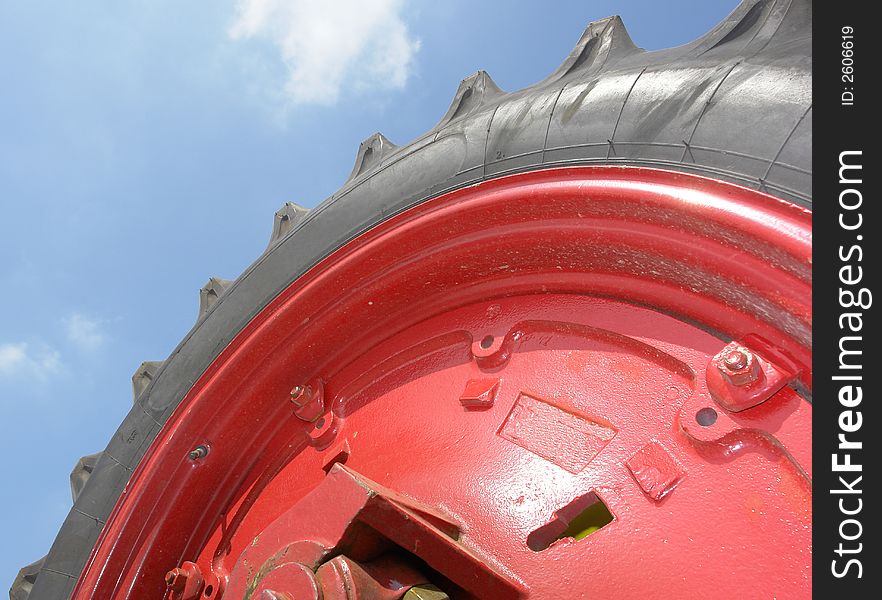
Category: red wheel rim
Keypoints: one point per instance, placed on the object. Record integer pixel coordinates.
(510, 352)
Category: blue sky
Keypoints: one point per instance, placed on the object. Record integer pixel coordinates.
(145, 145)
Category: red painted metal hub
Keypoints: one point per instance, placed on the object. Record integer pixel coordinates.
(569, 383)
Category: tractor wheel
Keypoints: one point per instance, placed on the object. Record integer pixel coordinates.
(558, 346)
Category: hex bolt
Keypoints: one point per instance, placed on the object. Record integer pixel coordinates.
(308, 401)
(738, 366)
(176, 579)
(198, 452)
(300, 395)
(736, 359)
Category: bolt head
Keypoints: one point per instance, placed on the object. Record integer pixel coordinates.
(736, 359)
(176, 579)
(197, 452)
(301, 395)
(308, 400)
(738, 366)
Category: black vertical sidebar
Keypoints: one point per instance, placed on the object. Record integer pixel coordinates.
(847, 229)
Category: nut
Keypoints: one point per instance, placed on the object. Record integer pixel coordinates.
(198, 452)
(736, 360)
(738, 366)
(308, 401)
(176, 579)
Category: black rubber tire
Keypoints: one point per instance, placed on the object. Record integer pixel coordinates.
(733, 105)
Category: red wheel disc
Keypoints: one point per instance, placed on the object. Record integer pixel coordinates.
(524, 376)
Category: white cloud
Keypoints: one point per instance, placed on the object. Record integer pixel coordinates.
(18, 359)
(359, 44)
(84, 332)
